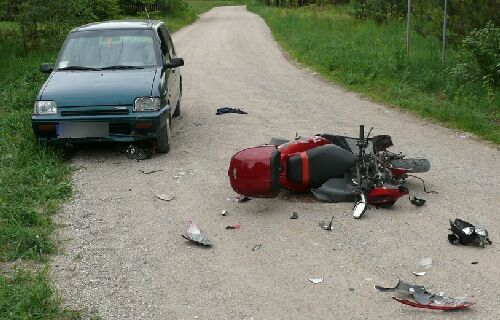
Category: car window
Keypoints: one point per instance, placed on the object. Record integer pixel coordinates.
(171, 49)
(106, 48)
(164, 46)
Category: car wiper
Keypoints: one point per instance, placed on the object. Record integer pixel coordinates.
(79, 68)
(118, 67)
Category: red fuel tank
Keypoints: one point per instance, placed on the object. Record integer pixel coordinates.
(254, 172)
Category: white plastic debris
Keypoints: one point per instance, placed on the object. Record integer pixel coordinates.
(424, 264)
(316, 280)
(165, 197)
(419, 274)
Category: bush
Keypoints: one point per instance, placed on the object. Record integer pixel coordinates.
(46, 23)
(480, 56)
(164, 7)
(173, 6)
(50, 20)
(104, 9)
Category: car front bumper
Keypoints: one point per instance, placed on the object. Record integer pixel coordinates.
(122, 128)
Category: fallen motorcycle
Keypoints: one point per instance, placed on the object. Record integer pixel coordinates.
(334, 168)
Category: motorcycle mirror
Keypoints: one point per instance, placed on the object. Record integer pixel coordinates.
(359, 208)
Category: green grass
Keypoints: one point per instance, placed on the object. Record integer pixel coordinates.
(27, 296)
(35, 179)
(371, 59)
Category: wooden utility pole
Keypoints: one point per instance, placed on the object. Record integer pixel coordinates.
(444, 30)
(408, 29)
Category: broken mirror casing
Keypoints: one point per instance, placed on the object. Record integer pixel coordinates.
(195, 235)
(466, 233)
(139, 153)
(425, 299)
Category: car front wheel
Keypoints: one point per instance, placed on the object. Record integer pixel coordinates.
(163, 141)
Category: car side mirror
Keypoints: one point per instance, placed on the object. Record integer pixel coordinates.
(174, 63)
(47, 67)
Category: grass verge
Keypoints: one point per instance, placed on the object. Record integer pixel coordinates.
(34, 179)
(370, 58)
(25, 295)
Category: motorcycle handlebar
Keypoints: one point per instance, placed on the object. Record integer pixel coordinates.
(361, 134)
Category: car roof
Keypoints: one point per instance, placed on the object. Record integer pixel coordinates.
(120, 24)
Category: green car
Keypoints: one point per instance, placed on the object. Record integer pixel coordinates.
(113, 81)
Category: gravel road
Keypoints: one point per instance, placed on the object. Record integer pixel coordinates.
(122, 256)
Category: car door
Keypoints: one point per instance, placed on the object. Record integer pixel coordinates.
(167, 74)
(175, 73)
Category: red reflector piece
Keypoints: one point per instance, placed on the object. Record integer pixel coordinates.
(46, 127)
(144, 125)
(443, 307)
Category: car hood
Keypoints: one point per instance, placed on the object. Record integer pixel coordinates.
(93, 88)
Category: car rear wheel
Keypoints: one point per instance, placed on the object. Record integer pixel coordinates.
(163, 141)
(177, 111)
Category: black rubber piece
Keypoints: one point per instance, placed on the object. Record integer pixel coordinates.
(294, 168)
(275, 172)
(278, 141)
(414, 165)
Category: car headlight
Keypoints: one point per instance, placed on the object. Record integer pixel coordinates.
(45, 107)
(147, 104)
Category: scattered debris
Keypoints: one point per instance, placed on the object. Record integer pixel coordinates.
(425, 299)
(424, 264)
(419, 274)
(465, 233)
(224, 213)
(137, 153)
(295, 215)
(316, 280)
(223, 110)
(256, 247)
(194, 235)
(351, 289)
(165, 197)
(150, 172)
(243, 199)
(326, 226)
(417, 201)
(474, 262)
(236, 226)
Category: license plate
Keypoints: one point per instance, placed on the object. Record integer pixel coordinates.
(82, 129)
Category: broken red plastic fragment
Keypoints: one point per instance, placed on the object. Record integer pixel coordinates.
(236, 226)
(444, 307)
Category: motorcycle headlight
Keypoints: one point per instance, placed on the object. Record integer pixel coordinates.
(45, 107)
(147, 104)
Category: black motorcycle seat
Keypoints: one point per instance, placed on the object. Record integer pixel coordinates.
(324, 162)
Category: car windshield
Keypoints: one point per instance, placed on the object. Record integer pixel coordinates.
(108, 49)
